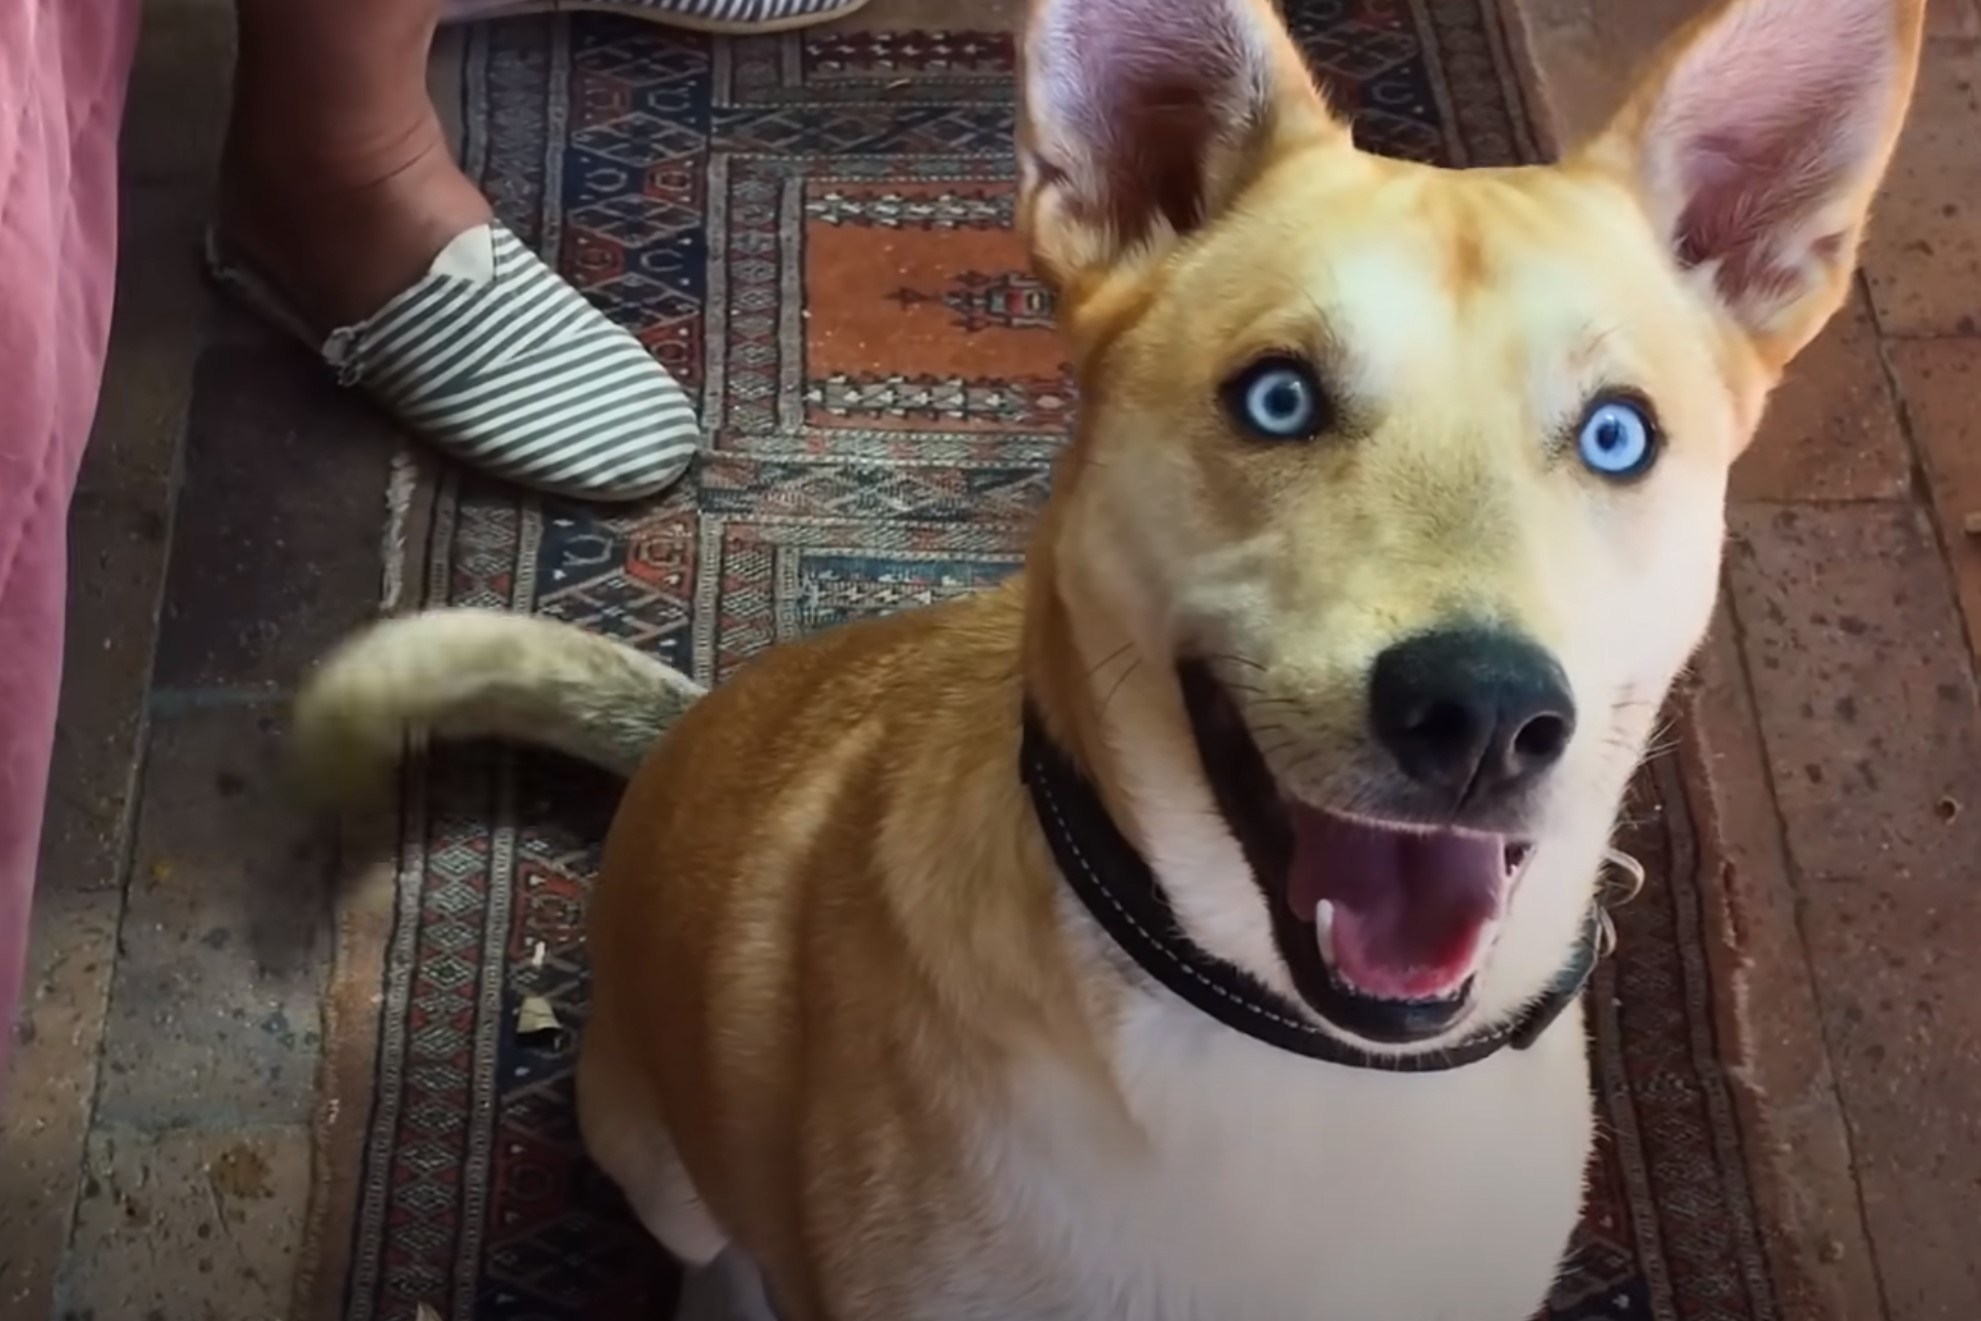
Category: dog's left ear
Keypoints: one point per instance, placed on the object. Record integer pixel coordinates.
(1756, 145)
(1144, 118)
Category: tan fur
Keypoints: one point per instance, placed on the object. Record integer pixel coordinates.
(837, 982)
(479, 673)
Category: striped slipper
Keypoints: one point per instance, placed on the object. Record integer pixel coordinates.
(728, 18)
(500, 363)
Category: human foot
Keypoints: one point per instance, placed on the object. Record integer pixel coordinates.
(402, 279)
(342, 236)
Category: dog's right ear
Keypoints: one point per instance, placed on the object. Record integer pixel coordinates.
(1143, 118)
(1756, 144)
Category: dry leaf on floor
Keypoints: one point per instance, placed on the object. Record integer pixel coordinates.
(535, 1017)
(425, 1313)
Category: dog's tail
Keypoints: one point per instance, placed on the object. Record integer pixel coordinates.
(479, 674)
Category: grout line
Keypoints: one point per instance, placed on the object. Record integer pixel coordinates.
(182, 701)
(1783, 834)
(1948, 541)
(1920, 336)
(233, 1122)
(125, 861)
(125, 854)
(1901, 500)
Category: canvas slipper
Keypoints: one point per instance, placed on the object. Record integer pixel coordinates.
(723, 18)
(500, 363)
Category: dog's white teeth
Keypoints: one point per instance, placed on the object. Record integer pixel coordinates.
(1324, 927)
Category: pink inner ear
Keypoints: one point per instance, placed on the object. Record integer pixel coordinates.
(1761, 124)
(1127, 98)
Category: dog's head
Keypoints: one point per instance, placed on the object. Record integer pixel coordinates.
(1396, 504)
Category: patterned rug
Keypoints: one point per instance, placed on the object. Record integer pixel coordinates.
(816, 234)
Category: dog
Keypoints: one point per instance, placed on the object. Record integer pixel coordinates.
(1190, 929)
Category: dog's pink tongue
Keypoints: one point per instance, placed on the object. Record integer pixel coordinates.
(1409, 908)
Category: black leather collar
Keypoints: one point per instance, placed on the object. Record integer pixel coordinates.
(1120, 890)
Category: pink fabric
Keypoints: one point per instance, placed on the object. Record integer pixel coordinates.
(63, 65)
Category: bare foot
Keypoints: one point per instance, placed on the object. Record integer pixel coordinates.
(342, 239)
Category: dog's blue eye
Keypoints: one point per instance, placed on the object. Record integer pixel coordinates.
(1617, 440)
(1278, 399)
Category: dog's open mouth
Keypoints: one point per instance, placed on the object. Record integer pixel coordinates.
(1382, 925)
(1399, 915)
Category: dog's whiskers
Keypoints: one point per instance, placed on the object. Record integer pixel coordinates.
(1125, 675)
(1110, 658)
(1633, 873)
(1236, 659)
(1268, 753)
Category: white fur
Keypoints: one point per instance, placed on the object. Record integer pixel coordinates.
(1255, 1185)
(1268, 1187)
(729, 1288)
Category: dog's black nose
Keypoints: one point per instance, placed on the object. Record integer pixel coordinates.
(1474, 713)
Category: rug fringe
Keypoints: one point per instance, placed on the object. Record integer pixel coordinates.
(399, 491)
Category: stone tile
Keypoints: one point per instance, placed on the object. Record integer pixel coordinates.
(275, 552)
(191, 1224)
(1797, 1135)
(1585, 55)
(1940, 381)
(179, 91)
(1953, 18)
(226, 934)
(1831, 431)
(45, 1118)
(119, 527)
(1867, 706)
(1923, 257)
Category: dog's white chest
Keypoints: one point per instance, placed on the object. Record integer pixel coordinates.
(1257, 1186)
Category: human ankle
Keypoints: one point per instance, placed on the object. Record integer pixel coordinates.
(340, 249)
